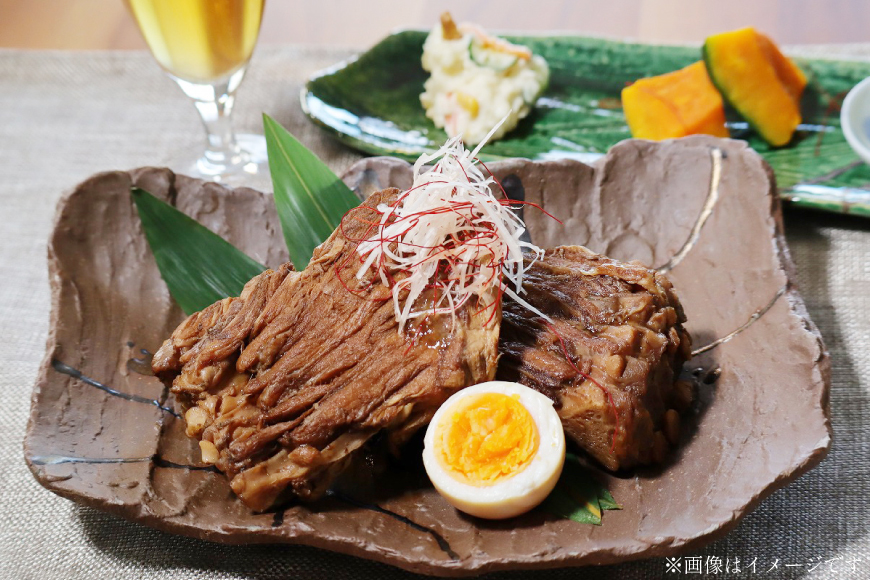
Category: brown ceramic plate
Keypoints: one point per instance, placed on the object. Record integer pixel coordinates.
(103, 432)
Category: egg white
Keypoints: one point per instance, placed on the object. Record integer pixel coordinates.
(516, 494)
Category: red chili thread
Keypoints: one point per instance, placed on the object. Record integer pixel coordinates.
(508, 201)
(443, 283)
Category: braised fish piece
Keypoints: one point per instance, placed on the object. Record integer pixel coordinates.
(610, 357)
(283, 384)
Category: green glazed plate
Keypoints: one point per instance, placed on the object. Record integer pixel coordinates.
(372, 104)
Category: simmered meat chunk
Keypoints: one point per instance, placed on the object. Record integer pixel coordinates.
(284, 383)
(610, 357)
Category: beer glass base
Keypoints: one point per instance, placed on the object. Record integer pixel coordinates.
(247, 166)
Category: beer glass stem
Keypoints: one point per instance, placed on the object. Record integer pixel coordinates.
(214, 101)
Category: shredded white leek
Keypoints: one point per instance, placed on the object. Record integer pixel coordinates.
(448, 232)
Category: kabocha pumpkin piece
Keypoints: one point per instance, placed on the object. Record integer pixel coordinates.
(757, 80)
(787, 71)
(675, 104)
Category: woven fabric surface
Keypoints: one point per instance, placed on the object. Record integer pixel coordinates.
(65, 116)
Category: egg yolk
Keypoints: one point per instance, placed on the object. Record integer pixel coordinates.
(486, 438)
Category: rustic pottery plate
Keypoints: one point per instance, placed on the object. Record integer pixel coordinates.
(103, 432)
(372, 103)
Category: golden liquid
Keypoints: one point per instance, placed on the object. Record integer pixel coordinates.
(199, 40)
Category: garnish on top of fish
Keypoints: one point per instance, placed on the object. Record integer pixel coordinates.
(478, 79)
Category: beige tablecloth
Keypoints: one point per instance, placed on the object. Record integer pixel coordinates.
(64, 116)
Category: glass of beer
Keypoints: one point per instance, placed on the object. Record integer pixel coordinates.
(205, 46)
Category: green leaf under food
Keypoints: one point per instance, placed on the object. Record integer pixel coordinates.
(606, 501)
(373, 104)
(309, 197)
(198, 266)
(578, 495)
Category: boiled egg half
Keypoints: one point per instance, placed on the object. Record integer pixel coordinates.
(495, 450)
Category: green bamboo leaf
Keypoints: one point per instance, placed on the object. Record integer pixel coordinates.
(563, 504)
(198, 266)
(606, 501)
(309, 197)
(578, 495)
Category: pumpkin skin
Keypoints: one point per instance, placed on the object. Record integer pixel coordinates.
(676, 104)
(755, 78)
